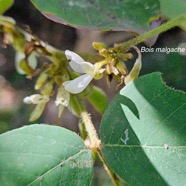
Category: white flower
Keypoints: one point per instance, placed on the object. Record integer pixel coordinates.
(62, 97)
(32, 61)
(77, 85)
(36, 99)
(62, 100)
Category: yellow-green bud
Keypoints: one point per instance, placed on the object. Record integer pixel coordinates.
(25, 67)
(98, 76)
(103, 52)
(47, 89)
(19, 42)
(98, 45)
(41, 80)
(36, 113)
(121, 67)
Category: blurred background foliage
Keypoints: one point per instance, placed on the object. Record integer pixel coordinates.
(14, 87)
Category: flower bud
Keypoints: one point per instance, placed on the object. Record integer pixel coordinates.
(36, 99)
(36, 113)
(47, 89)
(23, 65)
(62, 100)
(98, 45)
(41, 80)
(121, 67)
(103, 52)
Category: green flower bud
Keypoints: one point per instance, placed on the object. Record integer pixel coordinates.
(37, 111)
(47, 89)
(103, 52)
(41, 80)
(25, 67)
(98, 45)
(121, 67)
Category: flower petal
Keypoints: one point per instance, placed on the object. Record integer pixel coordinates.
(83, 67)
(77, 85)
(18, 57)
(134, 73)
(73, 56)
(63, 97)
(60, 110)
(36, 113)
(36, 99)
(32, 61)
(78, 64)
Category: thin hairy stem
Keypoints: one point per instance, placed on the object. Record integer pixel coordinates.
(91, 131)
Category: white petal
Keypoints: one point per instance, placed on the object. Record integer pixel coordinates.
(77, 85)
(36, 99)
(73, 56)
(27, 100)
(63, 97)
(83, 67)
(32, 60)
(76, 67)
(18, 57)
(78, 64)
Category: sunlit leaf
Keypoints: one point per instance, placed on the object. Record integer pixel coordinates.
(143, 133)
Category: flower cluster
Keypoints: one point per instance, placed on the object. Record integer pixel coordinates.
(66, 88)
(54, 72)
(88, 70)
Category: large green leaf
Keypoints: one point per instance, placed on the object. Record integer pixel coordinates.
(5, 5)
(173, 9)
(133, 15)
(143, 133)
(44, 155)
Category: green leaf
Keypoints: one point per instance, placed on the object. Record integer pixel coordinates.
(173, 9)
(5, 5)
(143, 133)
(44, 155)
(106, 15)
(98, 99)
